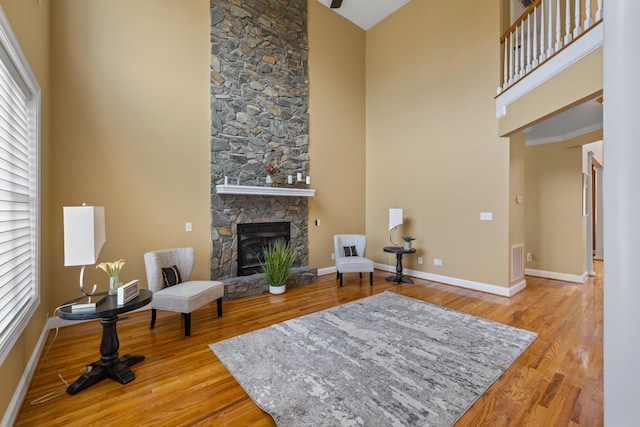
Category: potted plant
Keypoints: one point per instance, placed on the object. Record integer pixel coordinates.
(278, 259)
(407, 241)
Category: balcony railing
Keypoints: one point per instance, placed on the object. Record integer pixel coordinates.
(544, 29)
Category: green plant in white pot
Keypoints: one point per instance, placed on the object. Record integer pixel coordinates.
(407, 241)
(278, 259)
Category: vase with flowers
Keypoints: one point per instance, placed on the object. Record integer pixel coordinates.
(113, 271)
(272, 165)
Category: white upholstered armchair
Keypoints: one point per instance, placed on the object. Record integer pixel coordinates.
(349, 250)
(168, 276)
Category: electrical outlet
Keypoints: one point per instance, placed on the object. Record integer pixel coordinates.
(188, 226)
(333, 255)
(317, 223)
(486, 216)
(529, 257)
(420, 260)
(437, 261)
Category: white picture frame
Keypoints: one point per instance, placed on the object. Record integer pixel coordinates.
(231, 180)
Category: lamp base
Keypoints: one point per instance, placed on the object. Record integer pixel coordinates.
(391, 237)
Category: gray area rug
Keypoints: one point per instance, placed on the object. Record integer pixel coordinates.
(382, 360)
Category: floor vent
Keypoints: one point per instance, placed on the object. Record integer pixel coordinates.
(517, 261)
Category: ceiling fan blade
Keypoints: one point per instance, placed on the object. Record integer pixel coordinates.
(336, 4)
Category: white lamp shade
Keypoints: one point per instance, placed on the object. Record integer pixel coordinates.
(395, 218)
(84, 234)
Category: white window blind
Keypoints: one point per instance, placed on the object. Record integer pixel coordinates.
(19, 190)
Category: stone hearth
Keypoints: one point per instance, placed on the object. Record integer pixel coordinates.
(238, 287)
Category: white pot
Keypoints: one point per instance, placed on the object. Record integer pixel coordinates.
(407, 246)
(276, 290)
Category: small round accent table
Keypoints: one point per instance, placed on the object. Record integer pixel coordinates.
(399, 251)
(109, 365)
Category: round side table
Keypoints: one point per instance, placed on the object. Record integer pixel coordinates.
(399, 251)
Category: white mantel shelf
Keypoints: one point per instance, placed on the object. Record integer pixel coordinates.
(252, 190)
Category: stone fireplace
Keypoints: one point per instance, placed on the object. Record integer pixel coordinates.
(259, 105)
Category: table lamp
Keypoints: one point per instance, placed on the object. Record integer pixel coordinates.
(395, 219)
(84, 235)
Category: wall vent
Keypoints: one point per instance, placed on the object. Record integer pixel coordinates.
(517, 262)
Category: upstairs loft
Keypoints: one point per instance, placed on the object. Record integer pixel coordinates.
(549, 37)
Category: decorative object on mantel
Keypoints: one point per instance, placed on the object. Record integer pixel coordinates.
(113, 271)
(231, 180)
(276, 266)
(395, 220)
(407, 241)
(272, 165)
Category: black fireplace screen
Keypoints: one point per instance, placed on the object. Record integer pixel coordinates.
(253, 238)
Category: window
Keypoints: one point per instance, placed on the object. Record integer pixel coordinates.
(19, 189)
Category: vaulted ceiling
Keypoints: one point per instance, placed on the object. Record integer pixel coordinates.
(366, 13)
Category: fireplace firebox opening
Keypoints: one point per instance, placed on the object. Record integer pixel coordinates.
(253, 238)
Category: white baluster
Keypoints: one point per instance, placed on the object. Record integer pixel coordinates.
(505, 77)
(567, 28)
(543, 52)
(578, 29)
(511, 69)
(516, 62)
(599, 11)
(550, 37)
(535, 37)
(528, 68)
(522, 49)
(587, 18)
(558, 27)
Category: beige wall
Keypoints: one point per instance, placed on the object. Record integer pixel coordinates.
(30, 23)
(516, 189)
(131, 129)
(555, 228)
(432, 144)
(336, 130)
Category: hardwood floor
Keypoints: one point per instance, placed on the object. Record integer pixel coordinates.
(557, 381)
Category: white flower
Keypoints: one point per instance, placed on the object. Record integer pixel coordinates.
(111, 268)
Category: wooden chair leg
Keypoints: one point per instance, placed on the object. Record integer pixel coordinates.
(340, 279)
(219, 303)
(337, 274)
(187, 324)
(361, 275)
(371, 278)
(153, 318)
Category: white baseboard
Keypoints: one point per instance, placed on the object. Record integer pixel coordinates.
(326, 270)
(21, 391)
(461, 283)
(574, 278)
